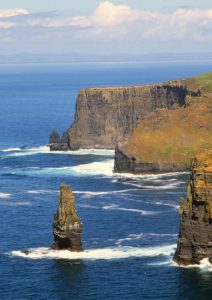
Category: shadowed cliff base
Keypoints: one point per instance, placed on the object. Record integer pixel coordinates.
(195, 235)
(67, 226)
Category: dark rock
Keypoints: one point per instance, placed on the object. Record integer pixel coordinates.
(195, 235)
(54, 137)
(67, 226)
(126, 164)
(58, 144)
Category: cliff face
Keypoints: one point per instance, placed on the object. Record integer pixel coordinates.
(165, 140)
(106, 116)
(195, 236)
(67, 226)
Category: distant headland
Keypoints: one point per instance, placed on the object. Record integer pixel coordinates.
(154, 128)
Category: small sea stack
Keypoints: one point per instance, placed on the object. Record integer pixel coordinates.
(67, 226)
(195, 235)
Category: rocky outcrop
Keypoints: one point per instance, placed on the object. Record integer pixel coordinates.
(106, 116)
(130, 164)
(67, 226)
(195, 236)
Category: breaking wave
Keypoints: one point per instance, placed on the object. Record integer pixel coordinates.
(45, 149)
(5, 195)
(41, 192)
(204, 265)
(10, 150)
(95, 254)
(91, 193)
(142, 212)
(142, 235)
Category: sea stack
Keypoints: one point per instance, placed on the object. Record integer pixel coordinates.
(195, 235)
(67, 226)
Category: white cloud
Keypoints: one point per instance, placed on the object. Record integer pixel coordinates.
(117, 26)
(5, 13)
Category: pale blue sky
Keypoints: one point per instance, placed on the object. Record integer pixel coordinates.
(86, 6)
(105, 27)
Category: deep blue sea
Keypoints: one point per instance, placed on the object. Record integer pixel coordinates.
(130, 222)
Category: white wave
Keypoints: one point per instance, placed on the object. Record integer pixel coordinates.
(166, 204)
(104, 168)
(5, 195)
(139, 236)
(96, 168)
(45, 149)
(116, 207)
(10, 150)
(150, 176)
(95, 254)
(161, 187)
(18, 203)
(41, 192)
(204, 265)
(91, 193)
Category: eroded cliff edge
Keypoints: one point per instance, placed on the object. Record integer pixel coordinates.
(67, 226)
(165, 140)
(195, 235)
(106, 116)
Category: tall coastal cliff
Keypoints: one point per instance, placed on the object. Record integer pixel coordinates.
(165, 140)
(106, 116)
(195, 236)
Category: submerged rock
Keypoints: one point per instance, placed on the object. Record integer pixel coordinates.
(195, 236)
(67, 226)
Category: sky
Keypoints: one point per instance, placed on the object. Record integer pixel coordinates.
(105, 27)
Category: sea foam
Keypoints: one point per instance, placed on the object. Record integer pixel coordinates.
(5, 195)
(45, 150)
(95, 254)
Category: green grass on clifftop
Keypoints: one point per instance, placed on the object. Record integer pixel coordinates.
(202, 82)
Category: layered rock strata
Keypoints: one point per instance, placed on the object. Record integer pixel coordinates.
(106, 116)
(195, 235)
(67, 226)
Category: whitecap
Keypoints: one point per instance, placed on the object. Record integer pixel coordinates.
(149, 176)
(116, 207)
(176, 206)
(204, 265)
(15, 203)
(45, 150)
(10, 150)
(41, 192)
(91, 193)
(95, 254)
(5, 195)
(142, 235)
(103, 168)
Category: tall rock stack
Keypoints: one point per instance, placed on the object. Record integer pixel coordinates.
(67, 226)
(195, 236)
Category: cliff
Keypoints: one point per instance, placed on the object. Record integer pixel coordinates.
(195, 235)
(107, 116)
(67, 226)
(165, 140)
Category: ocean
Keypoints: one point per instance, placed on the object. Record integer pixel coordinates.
(130, 222)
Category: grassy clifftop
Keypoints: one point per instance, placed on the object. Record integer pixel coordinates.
(167, 136)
